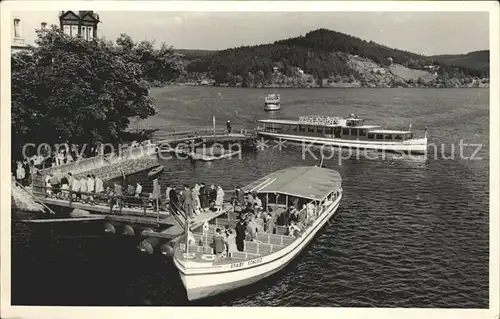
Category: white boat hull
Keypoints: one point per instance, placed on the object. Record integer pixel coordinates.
(272, 107)
(201, 283)
(416, 146)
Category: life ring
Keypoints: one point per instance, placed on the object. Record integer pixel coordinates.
(188, 255)
(208, 257)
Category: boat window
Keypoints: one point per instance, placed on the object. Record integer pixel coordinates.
(362, 132)
(398, 137)
(371, 136)
(294, 128)
(380, 136)
(328, 130)
(302, 128)
(310, 129)
(286, 127)
(410, 136)
(388, 137)
(345, 131)
(354, 132)
(319, 129)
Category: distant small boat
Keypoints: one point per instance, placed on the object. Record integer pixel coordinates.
(212, 156)
(272, 102)
(155, 171)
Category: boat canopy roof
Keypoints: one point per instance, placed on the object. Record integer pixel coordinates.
(310, 182)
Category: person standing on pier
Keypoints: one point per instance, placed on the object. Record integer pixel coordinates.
(220, 198)
(174, 199)
(90, 188)
(156, 193)
(203, 196)
(187, 197)
(228, 125)
(212, 195)
(99, 185)
(239, 197)
(196, 199)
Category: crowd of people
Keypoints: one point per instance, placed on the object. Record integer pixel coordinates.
(254, 219)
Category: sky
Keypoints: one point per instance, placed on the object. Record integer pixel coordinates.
(427, 33)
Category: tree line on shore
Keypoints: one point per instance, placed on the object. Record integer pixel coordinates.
(67, 89)
(323, 54)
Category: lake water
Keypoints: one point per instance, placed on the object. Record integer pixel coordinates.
(410, 232)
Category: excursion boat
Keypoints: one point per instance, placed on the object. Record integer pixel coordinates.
(350, 132)
(315, 190)
(272, 102)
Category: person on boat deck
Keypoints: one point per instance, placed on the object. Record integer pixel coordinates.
(250, 200)
(260, 219)
(190, 238)
(228, 125)
(218, 241)
(220, 197)
(294, 214)
(285, 216)
(270, 224)
(239, 197)
(203, 196)
(90, 187)
(240, 234)
(187, 201)
(196, 199)
(311, 212)
(230, 242)
(20, 173)
(293, 229)
(174, 199)
(257, 201)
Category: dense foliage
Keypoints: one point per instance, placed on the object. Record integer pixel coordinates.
(83, 92)
(321, 53)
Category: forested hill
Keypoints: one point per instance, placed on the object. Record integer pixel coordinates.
(329, 58)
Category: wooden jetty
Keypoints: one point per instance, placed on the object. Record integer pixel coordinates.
(169, 140)
(156, 224)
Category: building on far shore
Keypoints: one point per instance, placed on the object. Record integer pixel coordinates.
(79, 23)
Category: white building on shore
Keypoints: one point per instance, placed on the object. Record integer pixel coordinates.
(74, 23)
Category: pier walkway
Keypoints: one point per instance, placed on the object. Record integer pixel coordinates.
(138, 212)
(166, 140)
